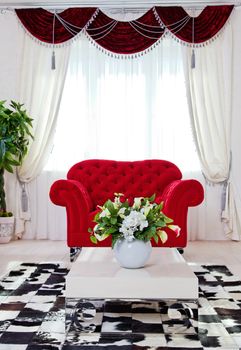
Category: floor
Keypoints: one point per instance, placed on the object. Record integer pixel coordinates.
(214, 328)
(214, 252)
(15, 252)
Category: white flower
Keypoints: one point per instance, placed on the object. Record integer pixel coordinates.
(175, 228)
(143, 223)
(118, 194)
(132, 220)
(105, 213)
(137, 202)
(96, 228)
(117, 202)
(128, 233)
(121, 212)
(145, 210)
(135, 221)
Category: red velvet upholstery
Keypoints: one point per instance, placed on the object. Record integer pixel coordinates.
(91, 182)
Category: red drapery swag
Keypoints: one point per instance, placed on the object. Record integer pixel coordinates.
(125, 37)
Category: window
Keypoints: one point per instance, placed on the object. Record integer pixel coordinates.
(124, 108)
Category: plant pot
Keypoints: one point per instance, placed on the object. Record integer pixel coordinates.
(132, 254)
(6, 229)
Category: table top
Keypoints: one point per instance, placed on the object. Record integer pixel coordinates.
(96, 274)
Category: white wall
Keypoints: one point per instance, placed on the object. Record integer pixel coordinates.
(11, 36)
(11, 39)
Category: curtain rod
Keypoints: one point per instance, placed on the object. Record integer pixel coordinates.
(141, 4)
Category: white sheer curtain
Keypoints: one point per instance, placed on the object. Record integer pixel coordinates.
(124, 108)
(116, 109)
(40, 91)
(209, 88)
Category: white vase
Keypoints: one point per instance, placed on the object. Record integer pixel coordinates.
(6, 229)
(132, 254)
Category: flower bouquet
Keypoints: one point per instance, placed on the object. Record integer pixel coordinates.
(143, 220)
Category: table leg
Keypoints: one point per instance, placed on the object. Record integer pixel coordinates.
(181, 316)
(82, 314)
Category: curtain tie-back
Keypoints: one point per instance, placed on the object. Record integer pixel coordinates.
(24, 195)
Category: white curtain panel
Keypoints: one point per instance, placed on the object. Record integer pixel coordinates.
(209, 90)
(209, 87)
(40, 90)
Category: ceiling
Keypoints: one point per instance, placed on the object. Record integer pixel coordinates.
(111, 3)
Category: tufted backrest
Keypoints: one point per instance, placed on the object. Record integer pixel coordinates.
(102, 178)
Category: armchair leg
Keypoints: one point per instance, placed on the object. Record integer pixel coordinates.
(180, 250)
(74, 253)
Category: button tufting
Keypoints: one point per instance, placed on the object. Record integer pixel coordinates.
(132, 178)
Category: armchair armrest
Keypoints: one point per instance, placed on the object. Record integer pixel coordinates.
(189, 192)
(177, 197)
(74, 197)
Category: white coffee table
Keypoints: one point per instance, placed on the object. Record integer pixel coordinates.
(96, 275)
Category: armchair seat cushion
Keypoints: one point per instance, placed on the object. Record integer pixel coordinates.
(90, 183)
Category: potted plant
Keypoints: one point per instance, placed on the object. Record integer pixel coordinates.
(15, 126)
(131, 227)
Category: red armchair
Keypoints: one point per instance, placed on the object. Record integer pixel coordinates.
(91, 182)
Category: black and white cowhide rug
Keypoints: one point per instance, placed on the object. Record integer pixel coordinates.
(32, 315)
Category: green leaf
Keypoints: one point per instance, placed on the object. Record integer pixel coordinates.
(163, 235)
(8, 167)
(160, 223)
(110, 230)
(167, 219)
(9, 158)
(115, 238)
(113, 221)
(156, 238)
(152, 198)
(96, 218)
(110, 206)
(93, 239)
(160, 206)
(149, 233)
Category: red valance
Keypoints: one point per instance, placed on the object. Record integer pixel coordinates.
(40, 23)
(125, 37)
(196, 29)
